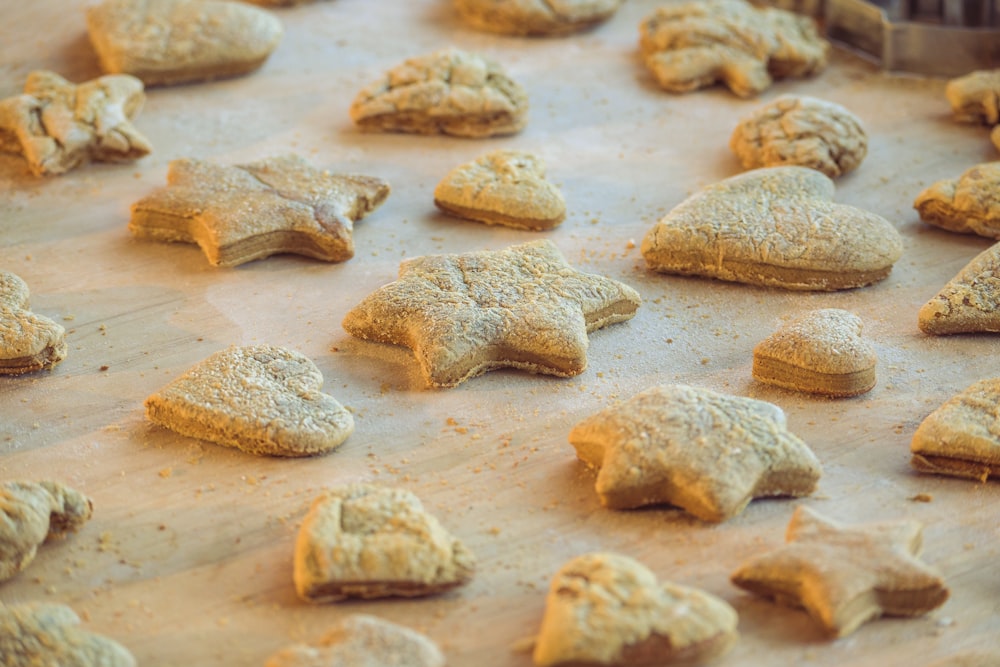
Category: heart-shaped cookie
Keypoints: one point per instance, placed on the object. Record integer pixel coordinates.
(177, 41)
(503, 187)
(820, 352)
(777, 227)
(261, 399)
(970, 302)
(608, 609)
(28, 342)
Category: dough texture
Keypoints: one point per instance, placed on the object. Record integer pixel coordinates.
(970, 302)
(969, 204)
(535, 17)
(28, 342)
(962, 437)
(44, 635)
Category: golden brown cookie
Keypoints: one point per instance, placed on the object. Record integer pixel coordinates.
(975, 97)
(35, 634)
(960, 438)
(692, 45)
(504, 187)
(805, 131)
(521, 307)
(819, 352)
(28, 342)
(360, 640)
(535, 17)
(708, 453)
(166, 42)
(30, 514)
(608, 609)
(970, 302)
(261, 399)
(57, 125)
(969, 204)
(366, 541)
(776, 227)
(844, 576)
(246, 212)
(445, 92)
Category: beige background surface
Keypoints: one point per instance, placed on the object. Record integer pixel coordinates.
(188, 557)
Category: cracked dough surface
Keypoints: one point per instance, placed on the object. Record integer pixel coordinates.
(49, 635)
(535, 17)
(28, 342)
(970, 302)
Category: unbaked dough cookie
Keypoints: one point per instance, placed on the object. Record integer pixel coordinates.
(28, 342)
(445, 92)
(57, 125)
(708, 453)
(970, 302)
(361, 640)
(30, 514)
(962, 437)
(179, 41)
(608, 609)
(37, 634)
(465, 314)
(819, 352)
(262, 399)
(535, 17)
(844, 576)
(504, 187)
(692, 45)
(776, 227)
(805, 131)
(366, 541)
(969, 204)
(250, 211)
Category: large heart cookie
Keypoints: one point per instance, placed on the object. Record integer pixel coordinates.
(777, 227)
(177, 41)
(503, 187)
(34, 634)
(608, 609)
(970, 302)
(820, 352)
(961, 438)
(261, 399)
(28, 342)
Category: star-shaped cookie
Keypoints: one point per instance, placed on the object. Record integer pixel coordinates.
(962, 437)
(34, 633)
(969, 204)
(970, 302)
(846, 575)
(777, 227)
(251, 211)
(521, 307)
(705, 452)
(28, 342)
(57, 125)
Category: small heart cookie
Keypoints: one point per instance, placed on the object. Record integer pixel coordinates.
(261, 399)
(504, 187)
(28, 342)
(820, 352)
(970, 302)
(776, 227)
(177, 41)
(608, 609)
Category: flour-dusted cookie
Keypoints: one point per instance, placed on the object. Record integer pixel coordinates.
(521, 307)
(708, 453)
(503, 187)
(970, 302)
(367, 541)
(28, 342)
(361, 640)
(57, 125)
(969, 204)
(692, 45)
(608, 609)
(844, 576)
(535, 17)
(262, 399)
(960, 438)
(250, 211)
(803, 130)
(30, 514)
(445, 92)
(777, 227)
(166, 42)
(819, 352)
(45, 634)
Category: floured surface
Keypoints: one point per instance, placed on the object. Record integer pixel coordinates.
(188, 557)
